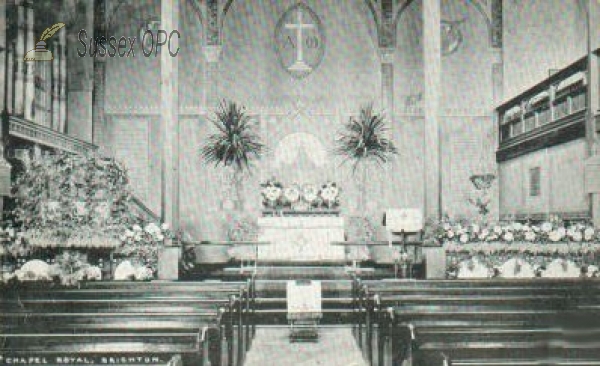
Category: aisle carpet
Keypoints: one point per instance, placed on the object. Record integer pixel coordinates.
(336, 347)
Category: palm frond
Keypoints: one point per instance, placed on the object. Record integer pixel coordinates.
(362, 139)
(234, 144)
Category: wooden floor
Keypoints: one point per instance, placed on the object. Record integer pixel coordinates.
(335, 346)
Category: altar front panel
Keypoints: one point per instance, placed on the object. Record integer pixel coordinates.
(301, 239)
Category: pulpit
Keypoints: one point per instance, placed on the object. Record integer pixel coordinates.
(301, 238)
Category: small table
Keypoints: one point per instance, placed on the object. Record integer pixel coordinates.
(232, 244)
(405, 245)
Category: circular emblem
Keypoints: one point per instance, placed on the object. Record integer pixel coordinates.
(299, 40)
(451, 36)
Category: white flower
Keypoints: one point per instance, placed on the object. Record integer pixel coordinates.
(508, 236)
(517, 226)
(160, 237)
(529, 236)
(464, 238)
(484, 234)
(450, 234)
(562, 232)
(143, 273)
(165, 226)
(577, 236)
(137, 228)
(554, 236)
(588, 234)
(129, 234)
(310, 193)
(497, 230)
(546, 227)
(475, 228)
(292, 194)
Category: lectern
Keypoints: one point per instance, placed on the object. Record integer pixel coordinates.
(404, 222)
(304, 309)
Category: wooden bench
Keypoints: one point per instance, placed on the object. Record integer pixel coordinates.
(487, 322)
(126, 323)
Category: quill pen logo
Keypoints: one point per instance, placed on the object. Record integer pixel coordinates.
(40, 52)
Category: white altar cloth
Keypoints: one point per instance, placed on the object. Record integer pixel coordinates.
(301, 239)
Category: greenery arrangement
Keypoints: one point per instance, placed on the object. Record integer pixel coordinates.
(72, 201)
(235, 144)
(61, 196)
(363, 142)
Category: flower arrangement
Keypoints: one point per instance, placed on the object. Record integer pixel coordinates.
(276, 196)
(13, 243)
(531, 245)
(140, 244)
(271, 193)
(70, 269)
(553, 231)
(68, 200)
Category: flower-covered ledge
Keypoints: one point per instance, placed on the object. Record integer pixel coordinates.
(73, 221)
(553, 249)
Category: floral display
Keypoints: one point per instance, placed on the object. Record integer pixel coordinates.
(141, 245)
(291, 194)
(70, 268)
(330, 194)
(310, 194)
(68, 200)
(271, 192)
(524, 247)
(553, 231)
(294, 197)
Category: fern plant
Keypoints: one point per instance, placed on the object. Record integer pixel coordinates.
(234, 145)
(363, 142)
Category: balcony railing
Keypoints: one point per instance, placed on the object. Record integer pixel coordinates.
(550, 113)
(48, 137)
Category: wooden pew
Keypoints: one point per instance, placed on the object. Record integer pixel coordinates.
(168, 321)
(462, 321)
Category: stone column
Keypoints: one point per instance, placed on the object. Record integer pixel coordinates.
(80, 79)
(386, 55)
(432, 68)
(593, 110)
(212, 53)
(29, 66)
(5, 168)
(19, 86)
(99, 127)
(170, 118)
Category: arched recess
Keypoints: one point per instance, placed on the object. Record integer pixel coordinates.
(475, 3)
(228, 4)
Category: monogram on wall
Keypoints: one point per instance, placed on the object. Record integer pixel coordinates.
(299, 40)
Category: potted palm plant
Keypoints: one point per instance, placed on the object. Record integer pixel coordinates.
(234, 146)
(363, 142)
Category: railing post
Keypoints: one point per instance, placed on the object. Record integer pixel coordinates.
(369, 326)
(229, 331)
(240, 333)
(382, 321)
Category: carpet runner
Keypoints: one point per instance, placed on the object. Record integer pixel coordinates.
(335, 347)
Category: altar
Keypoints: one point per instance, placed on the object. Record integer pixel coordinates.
(301, 239)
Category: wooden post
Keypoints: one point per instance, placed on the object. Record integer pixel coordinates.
(432, 71)
(170, 116)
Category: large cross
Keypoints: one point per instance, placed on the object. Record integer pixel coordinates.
(299, 27)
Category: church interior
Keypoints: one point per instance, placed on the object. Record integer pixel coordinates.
(300, 182)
